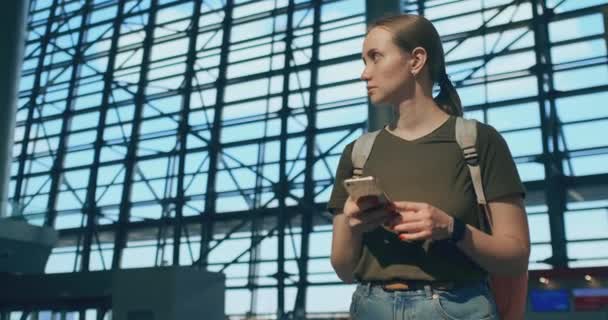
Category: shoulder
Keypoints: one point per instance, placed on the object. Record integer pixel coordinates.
(348, 149)
(491, 145)
(359, 150)
(346, 156)
(487, 135)
(486, 130)
(364, 141)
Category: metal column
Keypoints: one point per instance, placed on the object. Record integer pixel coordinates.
(282, 189)
(14, 16)
(309, 191)
(120, 242)
(90, 208)
(555, 190)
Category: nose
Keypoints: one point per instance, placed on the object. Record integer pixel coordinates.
(365, 75)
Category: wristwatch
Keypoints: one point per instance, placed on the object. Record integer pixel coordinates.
(458, 230)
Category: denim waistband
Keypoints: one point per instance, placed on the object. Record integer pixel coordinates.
(426, 290)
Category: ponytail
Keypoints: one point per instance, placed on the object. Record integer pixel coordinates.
(448, 98)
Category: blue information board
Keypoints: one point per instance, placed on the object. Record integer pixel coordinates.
(550, 300)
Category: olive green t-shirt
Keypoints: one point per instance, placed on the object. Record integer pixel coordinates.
(430, 169)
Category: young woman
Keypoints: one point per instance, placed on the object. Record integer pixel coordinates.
(403, 255)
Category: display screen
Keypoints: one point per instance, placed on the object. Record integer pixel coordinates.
(549, 300)
(587, 299)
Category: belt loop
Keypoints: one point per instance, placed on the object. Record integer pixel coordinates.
(428, 290)
(368, 288)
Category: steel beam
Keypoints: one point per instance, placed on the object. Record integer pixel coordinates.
(131, 158)
(56, 170)
(90, 208)
(282, 189)
(13, 16)
(33, 104)
(214, 145)
(555, 190)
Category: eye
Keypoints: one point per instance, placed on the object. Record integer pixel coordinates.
(375, 56)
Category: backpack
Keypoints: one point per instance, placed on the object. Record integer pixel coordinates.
(510, 292)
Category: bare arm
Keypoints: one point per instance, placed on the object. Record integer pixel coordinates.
(507, 250)
(348, 229)
(345, 248)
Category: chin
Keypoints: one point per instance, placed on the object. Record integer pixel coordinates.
(378, 101)
(375, 99)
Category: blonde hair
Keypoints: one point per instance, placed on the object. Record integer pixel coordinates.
(411, 31)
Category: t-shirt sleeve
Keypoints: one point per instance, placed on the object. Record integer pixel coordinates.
(498, 170)
(344, 171)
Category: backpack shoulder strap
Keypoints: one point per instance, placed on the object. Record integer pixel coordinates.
(466, 137)
(361, 150)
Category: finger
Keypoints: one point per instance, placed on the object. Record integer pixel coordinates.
(410, 205)
(350, 200)
(411, 216)
(352, 208)
(350, 204)
(411, 227)
(422, 235)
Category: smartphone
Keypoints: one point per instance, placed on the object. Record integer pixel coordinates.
(365, 186)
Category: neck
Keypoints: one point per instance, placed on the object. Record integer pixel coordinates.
(417, 116)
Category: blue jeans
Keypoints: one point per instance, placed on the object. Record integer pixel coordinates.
(475, 302)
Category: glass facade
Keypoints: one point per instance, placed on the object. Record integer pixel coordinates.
(158, 132)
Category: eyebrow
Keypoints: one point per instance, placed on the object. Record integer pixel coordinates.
(369, 52)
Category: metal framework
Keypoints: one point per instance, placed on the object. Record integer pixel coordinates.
(207, 133)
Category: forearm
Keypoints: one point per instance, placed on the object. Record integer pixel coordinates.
(345, 249)
(495, 253)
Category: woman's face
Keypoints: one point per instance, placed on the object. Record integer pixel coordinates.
(387, 68)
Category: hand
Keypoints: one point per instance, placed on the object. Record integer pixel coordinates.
(367, 213)
(420, 221)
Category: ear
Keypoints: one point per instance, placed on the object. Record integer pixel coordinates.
(418, 59)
